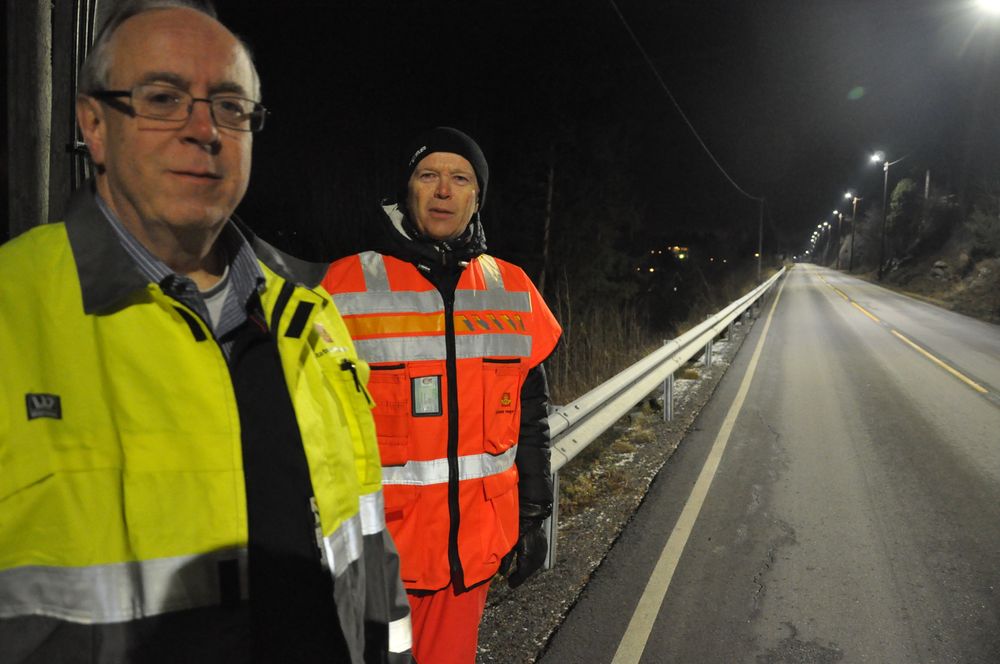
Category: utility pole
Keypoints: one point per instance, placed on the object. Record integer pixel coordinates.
(29, 112)
(46, 44)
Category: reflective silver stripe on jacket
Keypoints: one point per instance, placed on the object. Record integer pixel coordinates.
(403, 302)
(344, 545)
(491, 272)
(473, 466)
(467, 346)
(429, 302)
(492, 300)
(379, 299)
(372, 513)
(117, 592)
(373, 268)
(400, 635)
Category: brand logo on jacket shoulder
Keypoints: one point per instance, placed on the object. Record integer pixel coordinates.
(43, 405)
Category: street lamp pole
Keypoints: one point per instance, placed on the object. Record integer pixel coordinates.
(878, 156)
(840, 233)
(854, 226)
(885, 196)
(826, 250)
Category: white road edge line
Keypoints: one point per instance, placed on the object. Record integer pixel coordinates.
(639, 627)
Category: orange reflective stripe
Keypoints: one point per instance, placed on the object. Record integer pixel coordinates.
(389, 325)
(394, 325)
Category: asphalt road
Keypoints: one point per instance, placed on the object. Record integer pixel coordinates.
(838, 500)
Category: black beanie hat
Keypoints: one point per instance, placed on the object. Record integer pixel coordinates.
(446, 139)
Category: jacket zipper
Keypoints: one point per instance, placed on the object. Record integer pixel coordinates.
(451, 368)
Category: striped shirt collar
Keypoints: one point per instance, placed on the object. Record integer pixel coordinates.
(245, 275)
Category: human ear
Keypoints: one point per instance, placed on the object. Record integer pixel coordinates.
(90, 118)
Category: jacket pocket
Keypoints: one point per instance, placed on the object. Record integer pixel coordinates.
(500, 491)
(390, 389)
(405, 527)
(501, 404)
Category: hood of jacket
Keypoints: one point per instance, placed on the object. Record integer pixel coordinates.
(401, 238)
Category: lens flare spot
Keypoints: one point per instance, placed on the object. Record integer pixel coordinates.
(856, 93)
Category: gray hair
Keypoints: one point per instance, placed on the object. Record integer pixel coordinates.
(95, 71)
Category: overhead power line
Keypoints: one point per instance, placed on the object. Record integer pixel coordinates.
(677, 106)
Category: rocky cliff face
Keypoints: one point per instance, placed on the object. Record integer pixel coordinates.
(954, 280)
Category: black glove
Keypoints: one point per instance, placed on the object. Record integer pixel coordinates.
(528, 555)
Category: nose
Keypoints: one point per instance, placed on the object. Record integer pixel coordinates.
(201, 127)
(443, 189)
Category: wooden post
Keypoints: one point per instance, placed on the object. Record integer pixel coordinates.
(29, 112)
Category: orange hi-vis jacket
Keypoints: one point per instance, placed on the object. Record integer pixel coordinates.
(447, 370)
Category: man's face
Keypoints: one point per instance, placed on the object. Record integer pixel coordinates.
(441, 195)
(173, 176)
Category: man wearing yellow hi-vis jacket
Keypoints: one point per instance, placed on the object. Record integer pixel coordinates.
(188, 467)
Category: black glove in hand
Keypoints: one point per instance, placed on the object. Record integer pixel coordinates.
(528, 555)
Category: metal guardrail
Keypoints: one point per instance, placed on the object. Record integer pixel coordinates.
(575, 426)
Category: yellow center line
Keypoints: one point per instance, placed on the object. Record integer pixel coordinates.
(866, 312)
(954, 372)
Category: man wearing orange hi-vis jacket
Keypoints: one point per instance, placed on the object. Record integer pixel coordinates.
(455, 339)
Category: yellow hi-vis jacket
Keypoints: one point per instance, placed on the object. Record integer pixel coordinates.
(122, 493)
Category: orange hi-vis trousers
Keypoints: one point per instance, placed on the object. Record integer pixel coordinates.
(446, 625)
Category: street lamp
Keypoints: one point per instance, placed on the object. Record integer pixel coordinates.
(990, 6)
(876, 158)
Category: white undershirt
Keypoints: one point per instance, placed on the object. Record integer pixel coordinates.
(215, 297)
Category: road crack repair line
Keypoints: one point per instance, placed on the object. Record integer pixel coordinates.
(791, 649)
(783, 539)
(637, 633)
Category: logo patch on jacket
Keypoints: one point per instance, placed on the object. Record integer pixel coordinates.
(505, 399)
(43, 405)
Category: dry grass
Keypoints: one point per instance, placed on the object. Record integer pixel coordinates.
(595, 473)
(595, 346)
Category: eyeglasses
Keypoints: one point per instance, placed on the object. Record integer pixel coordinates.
(170, 104)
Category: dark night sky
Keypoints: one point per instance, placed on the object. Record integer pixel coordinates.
(766, 84)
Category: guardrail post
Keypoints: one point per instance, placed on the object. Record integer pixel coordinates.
(551, 524)
(668, 398)
(708, 354)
